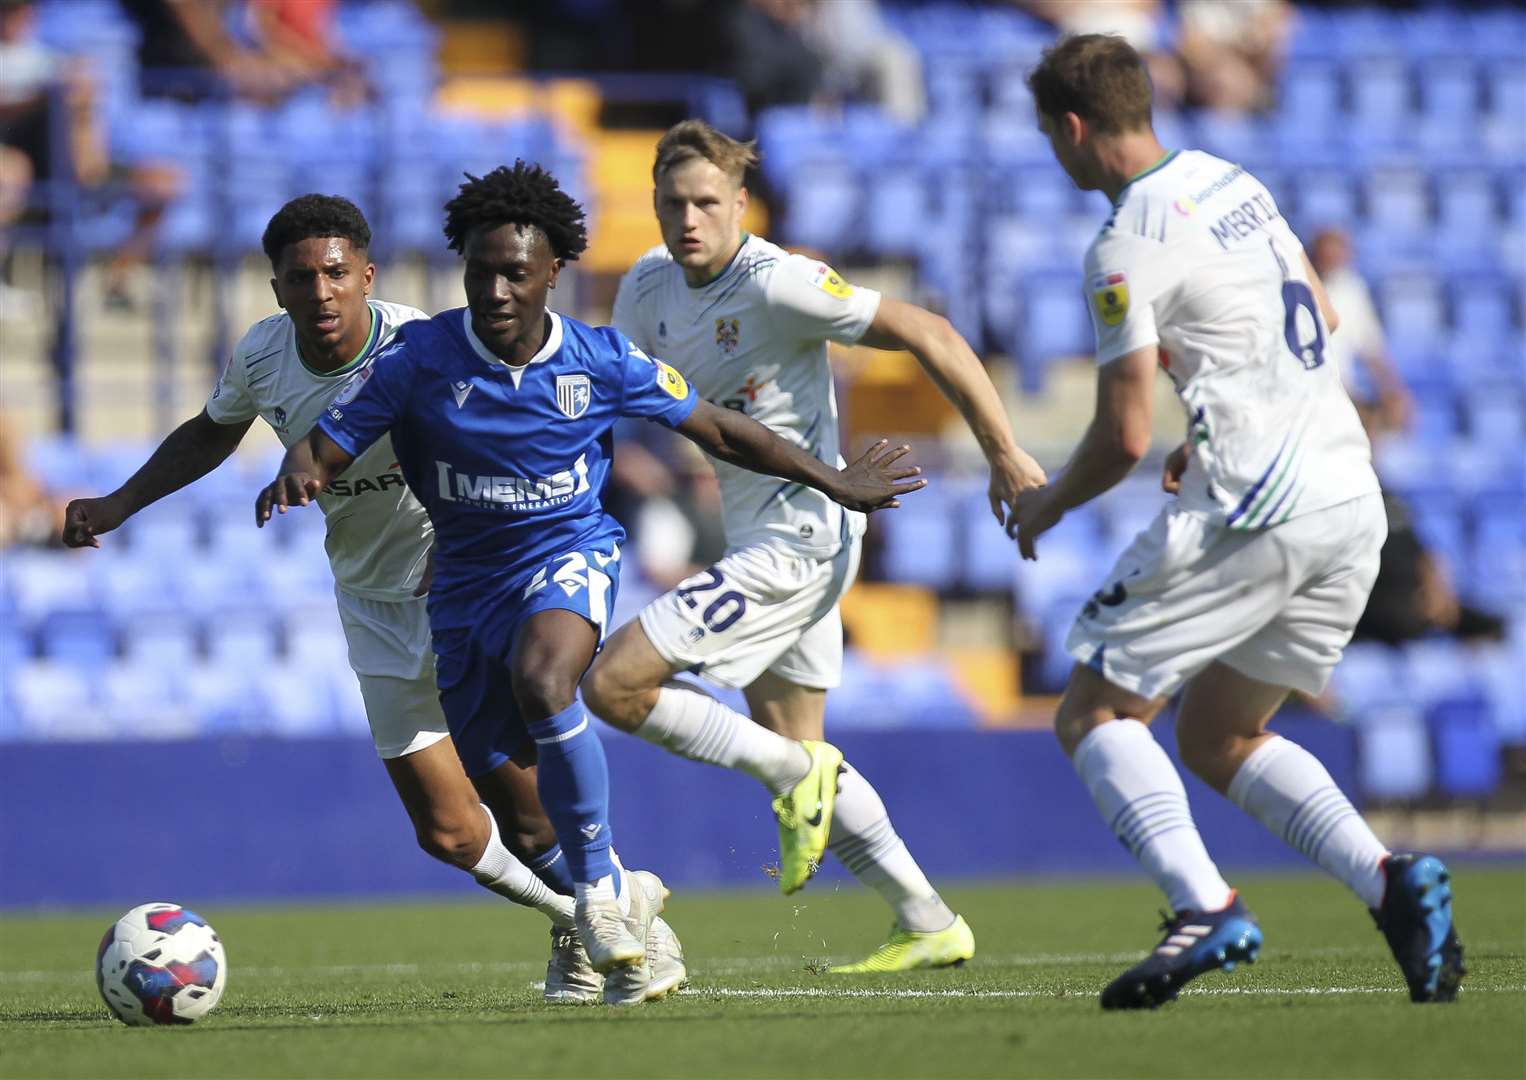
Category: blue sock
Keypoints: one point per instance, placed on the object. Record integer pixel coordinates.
(552, 869)
(574, 788)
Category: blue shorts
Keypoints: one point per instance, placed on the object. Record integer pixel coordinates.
(472, 671)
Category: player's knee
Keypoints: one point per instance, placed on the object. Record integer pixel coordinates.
(457, 839)
(1204, 751)
(607, 698)
(544, 691)
(1072, 725)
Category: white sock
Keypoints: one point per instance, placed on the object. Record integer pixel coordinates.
(1141, 797)
(1284, 787)
(866, 843)
(695, 725)
(603, 890)
(499, 871)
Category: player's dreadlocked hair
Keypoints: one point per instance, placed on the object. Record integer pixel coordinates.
(523, 195)
(307, 216)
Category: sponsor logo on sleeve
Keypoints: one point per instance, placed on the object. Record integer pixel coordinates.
(671, 381)
(1110, 296)
(830, 282)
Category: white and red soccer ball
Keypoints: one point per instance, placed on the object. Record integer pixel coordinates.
(160, 964)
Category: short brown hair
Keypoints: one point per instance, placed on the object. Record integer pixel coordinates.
(692, 139)
(1099, 77)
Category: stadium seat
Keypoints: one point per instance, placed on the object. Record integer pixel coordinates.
(141, 703)
(42, 581)
(1467, 747)
(164, 639)
(84, 637)
(242, 638)
(919, 546)
(299, 700)
(56, 701)
(1394, 755)
(989, 553)
(315, 636)
(226, 696)
(1368, 676)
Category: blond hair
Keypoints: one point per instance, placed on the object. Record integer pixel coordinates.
(694, 139)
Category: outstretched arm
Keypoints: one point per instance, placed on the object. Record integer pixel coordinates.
(1119, 435)
(955, 369)
(187, 454)
(310, 463)
(873, 482)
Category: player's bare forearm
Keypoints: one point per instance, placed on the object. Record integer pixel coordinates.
(310, 463)
(872, 482)
(187, 454)
(952, 366)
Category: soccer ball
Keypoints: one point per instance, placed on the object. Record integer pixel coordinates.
(160, 964)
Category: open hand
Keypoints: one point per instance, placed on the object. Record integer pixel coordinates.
(289, 489)
(1176, 468)
(85, 519)
(875, 481)
(1033, 514)
(1011, 476)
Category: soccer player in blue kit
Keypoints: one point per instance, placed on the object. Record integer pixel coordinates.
(500, 414)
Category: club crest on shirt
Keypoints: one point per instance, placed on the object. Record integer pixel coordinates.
(670, 380)
(830, 282)
(350, 389)
(728, 335)
(1110, 296)
(573, 393)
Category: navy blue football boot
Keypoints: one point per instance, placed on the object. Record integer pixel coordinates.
(1195, 943)
(1416, 918)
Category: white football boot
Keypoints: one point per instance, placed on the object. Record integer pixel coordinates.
(665, 956)
(570, 978)
(632, 984)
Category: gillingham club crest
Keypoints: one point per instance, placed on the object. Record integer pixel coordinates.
(573, 393)
(728, 335)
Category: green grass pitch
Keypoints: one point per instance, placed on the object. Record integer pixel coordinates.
(449, 989)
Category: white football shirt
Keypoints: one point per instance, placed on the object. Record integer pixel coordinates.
(378, 533)
(1197, 259)
(755, 339)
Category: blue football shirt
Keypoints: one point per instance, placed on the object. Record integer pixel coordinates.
(511, 463)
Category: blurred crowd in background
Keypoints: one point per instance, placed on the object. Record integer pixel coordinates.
(144, 144)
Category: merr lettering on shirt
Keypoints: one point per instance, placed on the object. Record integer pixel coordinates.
(1253, 214)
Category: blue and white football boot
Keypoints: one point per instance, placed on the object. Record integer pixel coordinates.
(1195, 943)
(1416, 918)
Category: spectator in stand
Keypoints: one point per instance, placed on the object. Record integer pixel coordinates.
(1142, 23)
(771, 60)
(1413, 596)
(186, 51)
(29, 514)
(30, 73)
(1232, 51)
(864, 59)
(299, 35)
(1381, 398)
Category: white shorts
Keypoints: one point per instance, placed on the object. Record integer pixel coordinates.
(392, 656)
(761, 608)
(1278, 605)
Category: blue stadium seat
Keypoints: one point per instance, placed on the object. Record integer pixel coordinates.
(349, 705)
(1072, 563)
(1436, 668)
(55, 701)
(314, 635)
(167, 640)
(1413, 309)
(898, 210)
(226, 696)
(140, 702)
(242, 638)
(1497, 415)
(84, 638)
(1054, 322)
(1325, 196)
(919, 546)
(1467, 747)
(1449, 90)
(1369, 675)
(299, 701)
(1310, 96)
(823, 205)
(1394, 755)
(989, 554)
